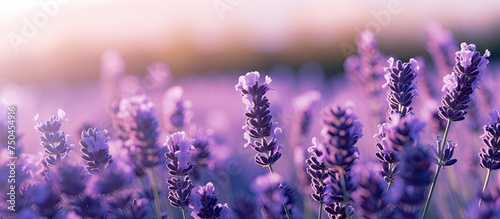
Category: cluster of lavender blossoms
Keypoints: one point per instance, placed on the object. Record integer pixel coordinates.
(53, 140)
(203, 201)
(330, 163)
(258, 125)
(461, 83)
(178, 154)
(95, 149)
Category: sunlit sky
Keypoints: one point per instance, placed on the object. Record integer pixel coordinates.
(194, 36)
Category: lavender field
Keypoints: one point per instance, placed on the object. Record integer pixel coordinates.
(385, 138)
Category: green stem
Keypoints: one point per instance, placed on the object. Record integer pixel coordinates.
(344, 189)
(155, 192)
(284, 205)
(488, 174)
(320, 210)
(183, 213)
(438, 168)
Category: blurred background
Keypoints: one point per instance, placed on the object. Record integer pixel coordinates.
(42, 41)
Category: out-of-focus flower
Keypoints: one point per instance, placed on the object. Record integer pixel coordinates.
(461, 83)
(176, 110)
(367, 66)
(70, 178)
(490, 153)
(370, 193)
(139, 114)
(273, 195)
(54, 141)
(415, 175)
(258, 125)
(402, 83)
(95, 149)
(178, 154)
(46, 199)
(90, 206)
(394, 137)
(335, 157)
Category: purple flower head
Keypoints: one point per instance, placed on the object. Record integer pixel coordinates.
(95, 149)
(304, 104)
(414, 176)
(402, 83)
(272, 194)
(178, 154)
(341, 131)
(317, 171)
(367, 66)
(490, 152)
(140, 115)
(54, 141)
(46, 198)
(260, 132)
(176, 110)
(461, 83)
(442, 47)
(71, 178)
(370, 192)
(203, 201)
(449, 149)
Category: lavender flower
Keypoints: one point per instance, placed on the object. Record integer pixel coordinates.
(366, 66)
(46, 199)
(490, 153)
(202, 146)
(448, 151)
(460, 84)
(370, 193)
(90, 206)
(441, 46)
(178, 155)
(204, 203)
(140, 114)
(177, 111)
(317, 171)
(269, 188)
(54, 141)
(341, 131)
(415, 174)
(258, 125)
(70, 178)
(395, 137)
(304, 105)
(402, 83)
(95, 150)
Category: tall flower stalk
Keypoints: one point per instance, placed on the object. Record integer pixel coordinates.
(459, 87)
(401, 81)
(490, 153)
(141, 117)
(341, 131)
(178, 154)
(258, 125)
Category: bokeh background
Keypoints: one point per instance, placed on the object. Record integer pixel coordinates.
(219, 36)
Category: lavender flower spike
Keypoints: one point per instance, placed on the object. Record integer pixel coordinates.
(95, 149)
(402, 83)
(203, 201)
(460, 84)
(178, 167)
(54, 141)
(258, 126)
(490, 153)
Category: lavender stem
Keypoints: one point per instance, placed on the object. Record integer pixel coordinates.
(320, 210)
(488, 174)
(183, 213)
(284, 205)
(155, 192)
(438, 167)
